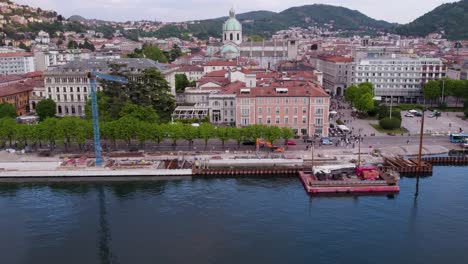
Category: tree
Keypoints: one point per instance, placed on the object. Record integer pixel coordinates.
(87, 45)
(237, 134)
(365, 102)
(158, 132)
(287, 133)
(390, 123)
(175, 132)
(144, 133)
(351, 93)
(142, 113)
(223, 134)
(190, 133)
(154, 53)
(272, 133)
(46, 108)
(175, 53)
(431, 91)
(7, 131)
(181, 82)
(207, 132)
(127, 128)
(7, 110)
(47, 131)
(23, 46)
(72, 44)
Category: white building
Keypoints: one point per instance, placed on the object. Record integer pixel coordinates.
(42, 38)
(400, 78)
(16, 63)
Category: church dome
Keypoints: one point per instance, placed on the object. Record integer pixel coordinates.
(229, 49)
(232, 24)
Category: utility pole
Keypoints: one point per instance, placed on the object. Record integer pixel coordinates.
(359, 148)
(421, 141)
(391, 105)
(443, 89)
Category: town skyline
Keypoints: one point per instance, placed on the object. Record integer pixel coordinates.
(124, 10)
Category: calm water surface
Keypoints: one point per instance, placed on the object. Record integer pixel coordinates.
(233, 221)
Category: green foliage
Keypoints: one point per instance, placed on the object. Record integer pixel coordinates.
(432, 90)
(72, 45)
(361, 96)
(272, 133)
(388, 123)
(7, 130)
(87, 45)
(150, 52)
(223, 134)
(181, 82)
(255, 38)
(142, 113)
(207, 132)
(450, 18)
(7, 110)
(175, 132)
(287, 133)
(46, 108)
(23, 46)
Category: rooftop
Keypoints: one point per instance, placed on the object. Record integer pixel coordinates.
(103, 65)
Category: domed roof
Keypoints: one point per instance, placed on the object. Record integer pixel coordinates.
(229, 48)
(232, 24)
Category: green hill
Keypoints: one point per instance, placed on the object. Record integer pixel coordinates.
(451, 18)
(265, 23)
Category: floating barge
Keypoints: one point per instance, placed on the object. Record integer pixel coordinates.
(344, 180)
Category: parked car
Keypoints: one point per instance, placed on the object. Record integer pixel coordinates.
(291, 143)
(409, 114)
(248, 143)
(326, 141)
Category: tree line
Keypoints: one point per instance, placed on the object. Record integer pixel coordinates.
(436, 91)
(77, 132)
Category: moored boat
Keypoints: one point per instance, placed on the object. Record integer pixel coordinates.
(349, 179)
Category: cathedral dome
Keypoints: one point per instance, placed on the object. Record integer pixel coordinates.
(232, 24)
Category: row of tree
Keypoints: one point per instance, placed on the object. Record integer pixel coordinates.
(156, 54)
(438, 90)
(68, 131)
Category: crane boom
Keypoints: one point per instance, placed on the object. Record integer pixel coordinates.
(94, 108)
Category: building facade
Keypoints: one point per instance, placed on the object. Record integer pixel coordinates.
(401, 78)
(337, 73)
(16, 63)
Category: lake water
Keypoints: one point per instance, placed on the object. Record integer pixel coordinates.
(234, 221)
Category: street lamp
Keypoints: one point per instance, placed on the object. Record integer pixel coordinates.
(443, 89)
(359, 148)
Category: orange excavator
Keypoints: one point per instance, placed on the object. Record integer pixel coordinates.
(264, 143)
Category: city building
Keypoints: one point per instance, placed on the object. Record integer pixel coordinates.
(305, 108)
(400, 78)
(69, 86)
(337, 73)
(18, 94)
(16, 63)
(266, 53)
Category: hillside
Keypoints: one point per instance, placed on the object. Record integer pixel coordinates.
(451, 18)
(265, 23)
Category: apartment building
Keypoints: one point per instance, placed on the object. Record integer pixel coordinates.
(16, 63)
(398, 78)
(337, 73)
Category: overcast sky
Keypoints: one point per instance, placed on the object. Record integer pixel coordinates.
(400, 11)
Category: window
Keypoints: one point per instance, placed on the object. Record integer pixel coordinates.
(238, 36)
(78, 98)
(286, 120)
(295, 110)
(260, 121)
(319, 121)
(260, 110)
(304, 100)
(49, 89)
(65, 97)
(245, 111)
(58, 90)
(84, 89)
(231, 37)
(268, 120)
(304, 120)
(71, 97)
(319, 100)
(277, 120)
(295, 120)
(268, 110)
(58, 97)
(245, 101)
(277, 110)
(319, 111)
(286, 110)
(304, 110)
(78, 89)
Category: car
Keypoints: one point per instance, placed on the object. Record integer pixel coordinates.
(409, 114)
(326, 141)
(309, 140)
(291, 143)
(248, 143)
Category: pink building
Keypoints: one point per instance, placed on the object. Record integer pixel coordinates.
(304, 108)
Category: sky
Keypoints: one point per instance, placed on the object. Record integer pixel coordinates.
(399, 11)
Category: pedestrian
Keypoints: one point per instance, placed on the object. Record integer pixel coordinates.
(407, 142)
(450, 124)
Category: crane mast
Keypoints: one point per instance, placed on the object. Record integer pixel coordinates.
(94, 109)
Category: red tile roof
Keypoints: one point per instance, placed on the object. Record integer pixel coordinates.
(20, 87)
(11, 78)
(15, 54)
(221, 63)
(220, 73)
(309, 90)
(336, 59)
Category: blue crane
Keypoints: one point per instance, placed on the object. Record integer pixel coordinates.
(94, 108)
